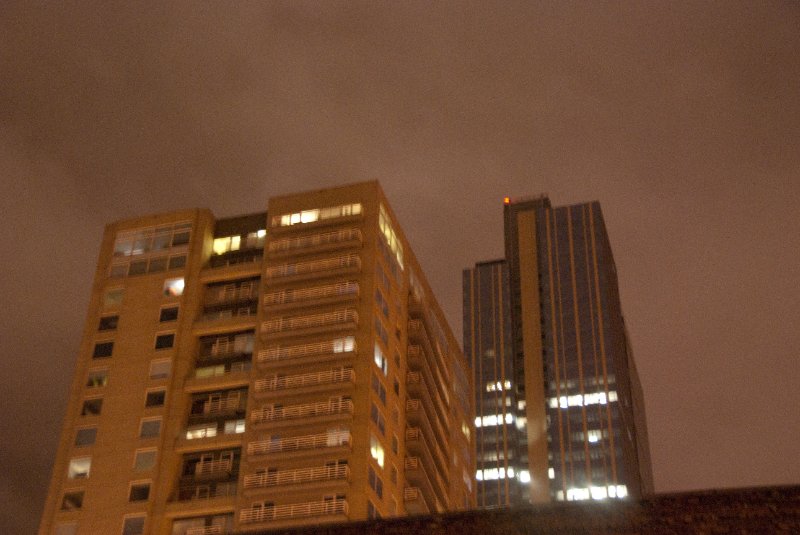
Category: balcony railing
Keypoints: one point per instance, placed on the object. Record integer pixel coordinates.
(306, 410)
(273, 384)
(228, 313)
(206, 491)
(225, 346)
(298, 475)
(284, 324)
(283, 297)
(231, 293)
(208, 530)
(338, 345)
(221, 406)
(305, 442)
(314, 240)
(411, 494)
(314, 266)
(205, 468)
(265, 513)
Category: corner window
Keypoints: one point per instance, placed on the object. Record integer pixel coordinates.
(92, 407)
(102, 350)
(155, 398)
(168, 314)
(150, 428)
(86, 436)
(174, 287)
(133, 525)
(165, 341)
(79, 468)
(108, 323)
(72, 500)
(97, 378)
(139, 492)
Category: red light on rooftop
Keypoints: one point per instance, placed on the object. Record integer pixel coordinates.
(506, 200)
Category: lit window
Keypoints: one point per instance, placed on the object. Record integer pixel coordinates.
(150, 428)
(376, 450)
(97, 378)
(380, 360)
(165, 341)
(72, 500)
(144, 460)
(79, 468)
(493, 419)
(316, 214)
(139, 492)
(133, 525)
(234, 427)
(201, 431)
(160, 369)
(344, 345)
(103, 350)
(86, 436)
(155, 398)
(174, 287)
(226, 244)
(390, 235)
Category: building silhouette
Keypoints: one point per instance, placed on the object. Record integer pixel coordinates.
(266, 371)
(559, 407)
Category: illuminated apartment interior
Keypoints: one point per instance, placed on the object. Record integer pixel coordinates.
(258, 372)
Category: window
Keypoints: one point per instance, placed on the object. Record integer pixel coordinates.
(177, 262)
(155, 398)
(108, 323)
(376, 450)
(86, 436)
(372, 512)
(375, 483)
(168, 314)
(380, 359)
(150, 428)
(234, 427)
(379, 389)
(228, 243)
(133, 525)
(395, 444)
(381, 302)
(344, 345)
(380, 330)
(396, 387)
(144, 460)
(79, 468)
(139, 492)
(97, 378)
(316, 214)
(67, 529)
(180, 238)
(72, 500)
(174, 287)
(160, 369)
(92, 407)
(390, 235)
(113, 297)
(157, 264)
(102, 350)
(377, 418)
(393, 475)
(165, 341)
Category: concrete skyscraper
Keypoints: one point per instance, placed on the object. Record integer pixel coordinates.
(271, 370)
(560, 410)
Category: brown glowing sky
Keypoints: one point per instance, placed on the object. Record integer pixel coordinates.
(683, 119)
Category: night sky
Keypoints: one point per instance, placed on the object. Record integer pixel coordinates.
(682, 119)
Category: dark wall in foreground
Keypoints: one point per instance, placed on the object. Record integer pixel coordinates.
(753, 510)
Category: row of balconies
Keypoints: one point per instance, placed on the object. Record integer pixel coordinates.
(348, 236)
(314, 293)
(334, 406)
(264, 512)
(350, 262)
(335, 318)
(344, 345)
(296, 476)
(277, 383)
(331, 439)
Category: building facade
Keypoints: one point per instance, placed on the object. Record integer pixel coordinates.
(266, 371)
(573, 423)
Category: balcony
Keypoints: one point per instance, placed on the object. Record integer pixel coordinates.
(414, 501)
(315, 295)
(205, 492)
(225, 294)
(419, 473)
(226, 375)
(222, 348)
(333, 407)
(316, 242)
(207, 530)
(321, 441)
(267, 513)
(240, 258)
(421, 360)
(319, 351)
(297, 476)
(213, 468)
(419, 443)
(305, 380)
(314, 268)
(421, 389)
(311, 323)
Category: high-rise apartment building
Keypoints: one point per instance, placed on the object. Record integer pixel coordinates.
(277, 369)
(560, 410)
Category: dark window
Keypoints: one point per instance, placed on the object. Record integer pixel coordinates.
(396, 387)
(138, 268)
(103, 350)
(155, 399)
(108, 323)
(97, 378)
(165, 341)
(133, 526)
(168, 314)
(157, 264)
(92, 407)
(150, 428)
(139, 492)
(72, 500)
(180, 238)
(176, 262)
(86, 436)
